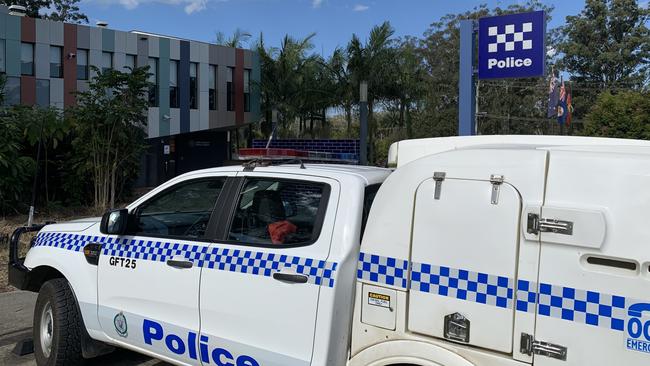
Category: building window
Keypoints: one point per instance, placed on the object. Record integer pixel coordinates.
(213, 88)
(27, 59)
(129, 62)
(56, 65)
(247, 90)
(173, 84)
(153, 79)
(82, 64)
(230, 89)
(107, 61)
(2, 56)
(194, 85)
(12, 91)
(43, 92)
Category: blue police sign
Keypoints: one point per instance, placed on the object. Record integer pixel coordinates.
(512, 46)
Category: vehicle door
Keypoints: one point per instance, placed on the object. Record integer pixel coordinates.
(260, 288)
(149, 279)
(594, 278)
(464, 261)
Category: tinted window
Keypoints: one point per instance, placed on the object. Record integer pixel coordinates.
(43, 92)
(182, 211)
(82, 64)
(56, 69)
(12, 91)
(279, 212)
(368, 198)
(27, 59)
(2, 55)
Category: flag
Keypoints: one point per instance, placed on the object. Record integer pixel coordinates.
(552, 96)
(569, 105)
(562, 106)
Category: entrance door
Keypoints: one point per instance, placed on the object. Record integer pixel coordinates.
(149, 281)
(464, 262)
(260, 291)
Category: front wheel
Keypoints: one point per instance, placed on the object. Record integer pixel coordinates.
(57, 325)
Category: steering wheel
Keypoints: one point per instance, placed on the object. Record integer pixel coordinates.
(198, 227)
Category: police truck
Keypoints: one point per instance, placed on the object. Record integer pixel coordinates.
(485, 250)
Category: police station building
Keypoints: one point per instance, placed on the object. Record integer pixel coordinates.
(203, 92)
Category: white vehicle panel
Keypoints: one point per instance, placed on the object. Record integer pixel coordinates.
(464, 259)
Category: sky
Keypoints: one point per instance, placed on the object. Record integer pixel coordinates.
(333, 21)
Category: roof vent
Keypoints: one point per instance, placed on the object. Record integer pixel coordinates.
(102, 24)
(17, 10)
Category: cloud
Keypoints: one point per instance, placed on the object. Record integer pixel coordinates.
(360, 7)
(189, 6)
(316, 3)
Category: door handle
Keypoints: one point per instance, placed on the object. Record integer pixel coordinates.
(179, 263)
(290, 277)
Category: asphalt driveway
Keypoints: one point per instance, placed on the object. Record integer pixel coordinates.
(16, 313)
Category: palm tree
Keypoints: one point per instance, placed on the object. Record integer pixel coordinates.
(373, 63)
(235, 41)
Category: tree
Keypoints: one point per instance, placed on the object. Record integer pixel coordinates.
(234, 41)
(67, 11)
(372, 62)
(62, 10)
(109, 124)
(624, 115)
(607, 44)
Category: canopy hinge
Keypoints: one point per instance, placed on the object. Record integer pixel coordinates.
(530, 346)
(438, 177)
(497, 181)
(555, 226)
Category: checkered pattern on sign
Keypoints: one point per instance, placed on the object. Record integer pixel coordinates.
(463, 285)
(587, 307)
(383, 270)
(320, 272)
(510, 37)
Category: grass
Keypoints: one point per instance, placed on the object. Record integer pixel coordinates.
(9, 224)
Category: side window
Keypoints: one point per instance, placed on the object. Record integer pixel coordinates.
(279, 212)
(368, 198)
(181, 211)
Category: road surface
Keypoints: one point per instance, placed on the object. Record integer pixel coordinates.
(16, 313)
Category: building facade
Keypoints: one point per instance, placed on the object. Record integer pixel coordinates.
(202, 91)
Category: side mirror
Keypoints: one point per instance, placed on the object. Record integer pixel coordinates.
(114, 222)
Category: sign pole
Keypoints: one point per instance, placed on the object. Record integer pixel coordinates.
(467, 95)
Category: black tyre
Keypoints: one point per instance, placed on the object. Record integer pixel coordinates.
(57, 325)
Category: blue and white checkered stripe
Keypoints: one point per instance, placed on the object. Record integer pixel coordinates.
(561, 302)
(384, 270)
(320, 272)
(461, 284)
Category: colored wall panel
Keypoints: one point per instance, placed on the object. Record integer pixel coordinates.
(83, 37)
(69, 64)
(12, 62)
(120, 42)
(154, 46)
(108, 40)
(175, 121)
(96, 38)
(239, 86)
(195, 52)
(94, 58)
(174, 49)
(131, 43)
(204, 53)
(143, 52)
(3, 25)
(195, 120)
(152, 122)
(163, 66)
(184, 86)
(256, 78)
(56, 33)
(43, 31)
(27, 90)
(56, 93)
(27, 29)
(12, 30)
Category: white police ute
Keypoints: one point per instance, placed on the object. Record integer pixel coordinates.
(489, 250)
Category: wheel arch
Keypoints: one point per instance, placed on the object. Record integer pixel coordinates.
(406, 352)
(41, 274)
